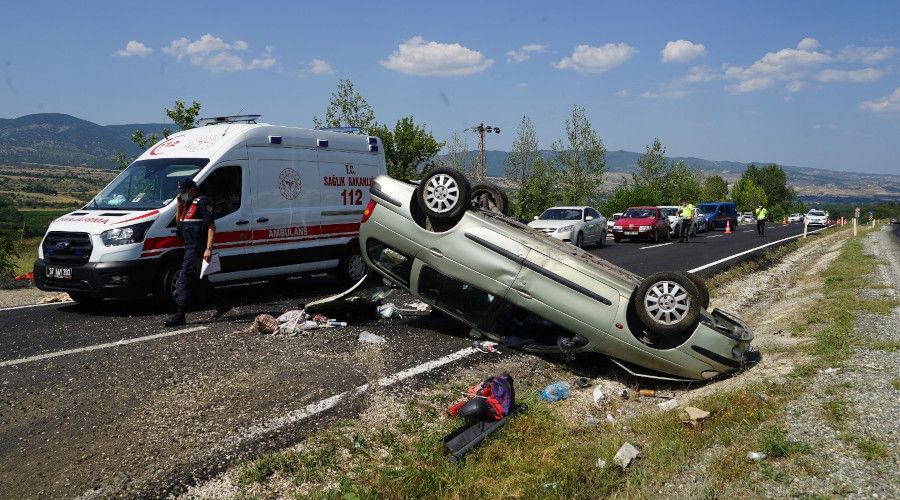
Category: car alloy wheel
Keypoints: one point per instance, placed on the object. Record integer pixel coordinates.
(441, 193)
(667, 302)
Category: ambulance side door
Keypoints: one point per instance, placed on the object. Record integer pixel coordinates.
(227, 186)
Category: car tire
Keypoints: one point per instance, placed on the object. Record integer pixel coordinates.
(701, 287)
(164, 288)
(489, 197)
(85, 300)
(617, 239)
(443, 195)
(579, 240)
(602, 241)
(659, 308)
(352, 267)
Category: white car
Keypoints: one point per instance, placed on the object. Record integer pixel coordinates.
(816, 218)
(581, 226)
(675, 220)
(612, 221)
(748, 217)
(795, 218)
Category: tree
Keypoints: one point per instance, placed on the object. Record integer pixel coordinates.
(459, 157)
(682, 184)
(539, 192)
(625, 195)
(652, 170)
(183, 116)
(715, 188)
(347, 108)
(406, 148)
(747, 195)
(772, 179)
(581, 160)
(520, 161)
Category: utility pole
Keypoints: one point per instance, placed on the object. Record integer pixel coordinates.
(482, 129)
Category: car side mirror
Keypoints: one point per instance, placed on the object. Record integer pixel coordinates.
(535, 217)
(588, 217)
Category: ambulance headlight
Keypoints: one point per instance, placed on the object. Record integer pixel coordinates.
(125, 235)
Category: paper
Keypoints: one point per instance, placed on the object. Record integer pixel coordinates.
(213, 266)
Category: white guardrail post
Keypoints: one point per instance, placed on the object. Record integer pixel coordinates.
(854, 226)
(805, 227)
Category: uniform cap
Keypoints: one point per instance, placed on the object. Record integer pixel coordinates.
(187, 184)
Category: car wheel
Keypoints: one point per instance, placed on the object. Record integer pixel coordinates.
(579, 241)
(617, 239)
(703, 298)
(86, 300)
(489, 197)
(166, 282)
(602, 241)
(667, 303)
(352, 267)
(443, 195)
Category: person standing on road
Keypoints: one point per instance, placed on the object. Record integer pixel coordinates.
(761, 215)
(197, 229)
(686, 211)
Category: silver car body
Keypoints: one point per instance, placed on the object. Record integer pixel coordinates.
(488, 261)
(592, 231)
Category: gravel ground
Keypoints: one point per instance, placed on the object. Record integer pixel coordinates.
(865, 382)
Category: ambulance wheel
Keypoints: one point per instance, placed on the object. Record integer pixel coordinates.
(352, 267)
(166, 282)
(443, 195)
(489, 197)
(667, 303)
(86, 300)
(701, 287)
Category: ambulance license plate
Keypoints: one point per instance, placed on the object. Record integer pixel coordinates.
(59, 272)
(631, 233)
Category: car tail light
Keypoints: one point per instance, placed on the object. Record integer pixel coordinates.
(370, 207)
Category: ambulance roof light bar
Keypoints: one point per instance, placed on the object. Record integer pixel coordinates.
(343, 130)
(229, 119)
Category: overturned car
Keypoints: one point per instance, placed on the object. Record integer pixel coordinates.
(520, 287)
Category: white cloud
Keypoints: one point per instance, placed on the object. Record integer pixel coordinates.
(866, 55)
(808, 44)
(134, 48)
(854, 76)
(668, 93)
(795, 86)
(786, 64)
(524, 52)
(418, 57)
(699, 74)
(597, 59)
(216, 55)
(622, 93)
(681, 51)
(320, 67)
(887, 104)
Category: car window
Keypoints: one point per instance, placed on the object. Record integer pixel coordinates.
(391, 261)
(707, 209)
(223, 188)
(561, 214)
(593, 213)
(454, 295)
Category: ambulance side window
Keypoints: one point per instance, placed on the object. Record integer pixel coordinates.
(223, 188)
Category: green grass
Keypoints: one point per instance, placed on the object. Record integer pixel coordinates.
(895, 383)
(869, 448)
(27, 254)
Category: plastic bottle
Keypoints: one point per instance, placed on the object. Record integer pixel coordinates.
(556, 391)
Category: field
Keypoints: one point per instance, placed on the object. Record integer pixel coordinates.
(59, 188)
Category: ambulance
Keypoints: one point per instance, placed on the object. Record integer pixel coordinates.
(286, 201)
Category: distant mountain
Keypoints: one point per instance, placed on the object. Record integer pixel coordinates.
(60, 139)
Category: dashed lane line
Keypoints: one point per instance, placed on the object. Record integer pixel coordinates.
(96, 347)
(654, 246)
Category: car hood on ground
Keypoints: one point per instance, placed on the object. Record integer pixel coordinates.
(554, 224)
(642, 221)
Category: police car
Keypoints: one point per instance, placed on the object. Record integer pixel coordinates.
(286, 201)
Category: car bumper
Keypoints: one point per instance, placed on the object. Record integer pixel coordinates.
(100, 279)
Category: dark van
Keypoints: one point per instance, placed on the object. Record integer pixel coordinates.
(717, 213)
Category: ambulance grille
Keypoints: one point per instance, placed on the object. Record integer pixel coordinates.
(67, 248)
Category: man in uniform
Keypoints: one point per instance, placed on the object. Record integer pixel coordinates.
(686, 211)
(197, 229)
(760, 214)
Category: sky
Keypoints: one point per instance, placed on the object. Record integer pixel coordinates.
(805, 83)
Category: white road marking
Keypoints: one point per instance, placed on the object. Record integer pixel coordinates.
(314, 409)
(716, 236)
(745, 252)
(654, 246)
(95, 347)
(37, 305)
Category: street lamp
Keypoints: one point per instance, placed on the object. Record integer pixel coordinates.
(482, 129)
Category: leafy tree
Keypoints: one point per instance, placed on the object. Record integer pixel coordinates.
(520, 161)
(183, 116)
(627, 195)
(347, 108)
(772, 179)
(682, 184)
(581, 160)
(459, 157)
(539, 192)
(407, 147)
(653, 170)
(747, 195)
(715, 188)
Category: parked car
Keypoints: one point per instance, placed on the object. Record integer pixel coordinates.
(612, 221)
(641, 223)
(816, 218)
(675, 220)
(748, 217)
(795, 218)
(718, 213)
(895, 220)
(518, 286)
(579, 225)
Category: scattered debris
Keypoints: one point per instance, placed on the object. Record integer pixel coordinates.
(626, 454)
(486, 346)
(598, 394)
(756, 456)
(609, 418)
(582, 382)
(486, 407)
(668, 405)
(24, 277)
(601, 464)
(264, 324)
(652, 393)
(551, 486)
(388, 311)
(367, 337)
(419, 306)
(556, 391)
(694, 416)
(624, 394)
(57, 297)
(829, 371)
(591, 421)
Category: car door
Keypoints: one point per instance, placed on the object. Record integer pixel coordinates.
(594, 225)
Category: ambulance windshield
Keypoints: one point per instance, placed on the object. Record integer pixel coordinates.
(146, 184)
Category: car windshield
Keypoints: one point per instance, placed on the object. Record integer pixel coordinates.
(146, 184)
(707, 209)
(639, 213)
(817, 213)
(561, 214)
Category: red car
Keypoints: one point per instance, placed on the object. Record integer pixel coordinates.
(641, 223)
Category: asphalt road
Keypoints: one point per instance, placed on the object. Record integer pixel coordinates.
(112, 404)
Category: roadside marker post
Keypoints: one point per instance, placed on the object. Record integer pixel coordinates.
(854, 227)
(805, 227)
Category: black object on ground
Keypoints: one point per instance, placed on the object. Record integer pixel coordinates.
(473, 432)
